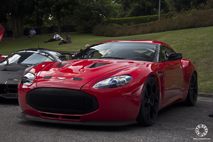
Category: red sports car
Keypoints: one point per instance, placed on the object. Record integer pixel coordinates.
(112, 83)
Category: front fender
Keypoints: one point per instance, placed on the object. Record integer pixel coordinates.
(188, 69)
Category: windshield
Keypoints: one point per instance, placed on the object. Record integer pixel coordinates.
(27, 58)
(37, 58)
(122, 50)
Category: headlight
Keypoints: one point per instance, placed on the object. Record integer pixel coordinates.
(113, 82)
(28, 78)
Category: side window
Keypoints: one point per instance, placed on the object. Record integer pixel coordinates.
(164, 52)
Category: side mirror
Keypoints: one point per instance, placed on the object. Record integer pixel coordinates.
(175, 56)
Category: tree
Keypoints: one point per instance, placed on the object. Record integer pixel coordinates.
(17, 10)
(3, 16)
(58, 9)
(141, 7)
(185, 5)
(92, 12)
(36, 18)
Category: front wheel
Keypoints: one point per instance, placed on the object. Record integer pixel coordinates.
(192, 91)
(149, 103)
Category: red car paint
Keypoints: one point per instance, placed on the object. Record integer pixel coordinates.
(115, 104)
(2, 57)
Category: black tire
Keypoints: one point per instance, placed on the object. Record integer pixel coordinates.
(149, 103)
(192, 91)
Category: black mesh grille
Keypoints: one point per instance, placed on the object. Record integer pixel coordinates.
(4, 88)
(12, 88)
(63, 101)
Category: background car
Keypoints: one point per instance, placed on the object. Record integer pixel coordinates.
(2, 57)
(15, 65)
(115, 83)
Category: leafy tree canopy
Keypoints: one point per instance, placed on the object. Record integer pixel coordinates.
(141, 7)
(58, 8)
(91, 12)
(17, 10)
(184, 5)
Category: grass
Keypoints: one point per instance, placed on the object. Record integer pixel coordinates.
(195, 44)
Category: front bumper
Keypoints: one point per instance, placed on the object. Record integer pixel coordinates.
(9, 96)
(114, 105)
(89, 123)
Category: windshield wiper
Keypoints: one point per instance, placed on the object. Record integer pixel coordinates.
(111, 58)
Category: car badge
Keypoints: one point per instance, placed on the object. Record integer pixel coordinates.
(61, 77)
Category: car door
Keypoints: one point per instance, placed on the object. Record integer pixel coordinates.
(171, 75)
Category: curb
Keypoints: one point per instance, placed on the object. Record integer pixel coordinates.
(209, 95)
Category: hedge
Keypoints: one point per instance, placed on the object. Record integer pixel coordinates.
(190, 19)
(132, 20)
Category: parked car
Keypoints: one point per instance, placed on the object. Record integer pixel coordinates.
(15, 65)
(2, 57)
(114, 83)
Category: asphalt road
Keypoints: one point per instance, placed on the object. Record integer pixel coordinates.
(175, 123)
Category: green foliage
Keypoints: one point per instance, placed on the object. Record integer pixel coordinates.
(37, 18)
(131, 8)
(90, 13)
(85, 14)
(17, 7)
(143, 7)
(185, 5)
(209, 4)
(56, 10)
(117, 10)
(16, 11)
(132, 20)
(191, 19)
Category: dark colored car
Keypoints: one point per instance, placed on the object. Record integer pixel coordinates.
(15, 65)
(115, 83)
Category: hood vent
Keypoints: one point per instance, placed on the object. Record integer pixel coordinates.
(98, 65)
(62, 64)
(47, 77)
(77, 79)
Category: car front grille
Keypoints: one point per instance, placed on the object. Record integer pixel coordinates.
(62, 101)
(6, 88)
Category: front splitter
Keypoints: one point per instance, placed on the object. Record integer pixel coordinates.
(88, 123)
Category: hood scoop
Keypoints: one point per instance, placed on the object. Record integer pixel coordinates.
(95, 65)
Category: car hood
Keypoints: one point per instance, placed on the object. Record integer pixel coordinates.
(10, 74)
(74, 74)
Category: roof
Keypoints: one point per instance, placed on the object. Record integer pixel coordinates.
(141, 41)
(35, 49)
